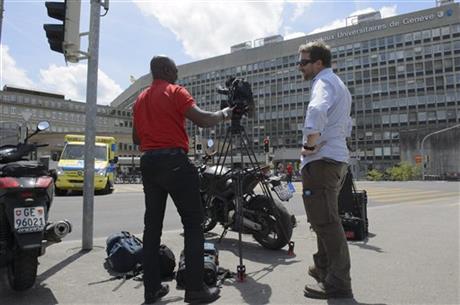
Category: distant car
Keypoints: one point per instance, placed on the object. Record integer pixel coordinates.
(452, 176)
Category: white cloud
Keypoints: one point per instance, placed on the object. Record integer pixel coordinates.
(10, 73)
(67, 80)
(208, 29)
(288, 34)
(389, 11)
(299, 9)
(71, 81)
(385, 11)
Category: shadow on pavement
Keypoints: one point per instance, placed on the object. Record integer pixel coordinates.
(40, 294)
(349, 302)
(254, 252)
(251, 291)
(59, 266)
(365, 246)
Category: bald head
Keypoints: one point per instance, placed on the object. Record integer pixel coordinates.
(164, 68)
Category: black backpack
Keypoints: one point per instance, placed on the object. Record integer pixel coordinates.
(124, 252)
(167, 262)
(125, 255)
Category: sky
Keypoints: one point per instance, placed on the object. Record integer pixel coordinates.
(133, 31)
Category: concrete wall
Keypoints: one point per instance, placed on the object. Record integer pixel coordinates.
(442, 150)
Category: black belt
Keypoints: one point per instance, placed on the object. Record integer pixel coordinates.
(164, 151)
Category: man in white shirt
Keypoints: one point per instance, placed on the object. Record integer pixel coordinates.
(324, 159)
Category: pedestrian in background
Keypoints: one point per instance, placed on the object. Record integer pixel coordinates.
(159, 128)
(324, 159)
(289, 172)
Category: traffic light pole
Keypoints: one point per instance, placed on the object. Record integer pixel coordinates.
(90, 133)
(1, 19)
(422, 147)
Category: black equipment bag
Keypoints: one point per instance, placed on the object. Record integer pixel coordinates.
(125, 254)
(167, 262)
(211, 267)
(354, 227)
(353, 209)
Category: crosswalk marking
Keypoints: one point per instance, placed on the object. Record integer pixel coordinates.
(378, 194)
(399, 195)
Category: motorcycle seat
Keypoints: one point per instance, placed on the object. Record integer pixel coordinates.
(23, 169)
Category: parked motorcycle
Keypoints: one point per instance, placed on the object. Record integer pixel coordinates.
(26, 194)
(265, 218)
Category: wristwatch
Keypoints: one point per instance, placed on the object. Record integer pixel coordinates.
(306, 147)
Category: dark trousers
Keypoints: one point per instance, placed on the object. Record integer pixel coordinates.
(175, 175)
(322, 181)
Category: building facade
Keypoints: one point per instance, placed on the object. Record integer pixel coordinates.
(22, 107)
(403, 73)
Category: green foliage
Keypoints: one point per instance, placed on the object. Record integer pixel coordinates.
(374, 175)
(403, 172)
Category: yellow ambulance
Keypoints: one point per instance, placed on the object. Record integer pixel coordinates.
(71, 165)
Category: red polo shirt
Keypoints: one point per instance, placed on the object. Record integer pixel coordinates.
(159, 116)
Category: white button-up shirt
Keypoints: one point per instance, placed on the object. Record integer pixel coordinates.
(328, 113)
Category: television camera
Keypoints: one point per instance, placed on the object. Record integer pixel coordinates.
(240, 97)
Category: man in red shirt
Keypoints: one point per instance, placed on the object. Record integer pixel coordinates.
(159, 128)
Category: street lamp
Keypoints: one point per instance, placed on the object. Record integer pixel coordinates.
(422, 149)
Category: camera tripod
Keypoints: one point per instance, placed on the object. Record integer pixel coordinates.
(237, 135)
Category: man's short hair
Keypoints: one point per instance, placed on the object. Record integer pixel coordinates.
(317, 50)
(158, 64)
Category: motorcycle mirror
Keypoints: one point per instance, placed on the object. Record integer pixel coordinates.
(210, 143)
(40, 127)
(43, 125)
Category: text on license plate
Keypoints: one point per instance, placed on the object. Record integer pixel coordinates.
(27, 220)
(283, 192)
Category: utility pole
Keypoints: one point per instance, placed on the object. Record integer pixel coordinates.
(90, 133)
(422, 149)
(1, 19)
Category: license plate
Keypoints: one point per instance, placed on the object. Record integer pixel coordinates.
(283, 192)
(28, 220)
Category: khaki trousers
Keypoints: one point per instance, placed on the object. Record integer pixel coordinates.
(322, 181)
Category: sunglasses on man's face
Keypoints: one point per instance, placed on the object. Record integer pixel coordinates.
(304, 62)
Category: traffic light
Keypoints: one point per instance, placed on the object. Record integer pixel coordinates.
(64, 38)
(266, 145)
(199, 148)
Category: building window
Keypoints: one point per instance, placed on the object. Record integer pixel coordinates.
(445, 31)
(387, 151)
(421, 116)
(378, 151)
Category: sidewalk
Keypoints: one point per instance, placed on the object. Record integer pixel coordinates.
(384, 270)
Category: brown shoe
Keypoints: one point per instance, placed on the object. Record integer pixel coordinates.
(324, 291)
(316, 273)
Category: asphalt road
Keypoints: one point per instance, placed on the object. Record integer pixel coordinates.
(123, 210)
(410, 257)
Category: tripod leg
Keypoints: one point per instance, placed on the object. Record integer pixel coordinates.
(263, 183)
(223, 235)
(239, 213)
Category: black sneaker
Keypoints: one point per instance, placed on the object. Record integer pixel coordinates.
(151, 297)
(205, 295)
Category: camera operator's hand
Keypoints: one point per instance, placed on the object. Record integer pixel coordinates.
(227, 113)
